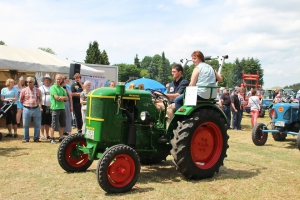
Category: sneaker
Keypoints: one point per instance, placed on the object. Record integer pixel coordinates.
(43, 138)
(61, 139)
(164, 139)
(15, 135)
(9, 135)
(52, 141)
(79, 131)
(19, 124)
(37, 140)
(48, 137)
(66, 133)
(24, 141)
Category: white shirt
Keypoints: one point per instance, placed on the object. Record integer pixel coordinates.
(254, 103)
(45, 95)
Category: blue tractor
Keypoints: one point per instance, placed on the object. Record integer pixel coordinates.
(284, 121)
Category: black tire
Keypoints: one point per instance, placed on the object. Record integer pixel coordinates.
(258, 137)
(118, 169)
(199, 145)
(152, 161)
(71, 159)
(262, 113)
(298, 141)
(279, 136)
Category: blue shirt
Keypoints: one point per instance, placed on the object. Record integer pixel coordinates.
(9, 93)
(177, 87)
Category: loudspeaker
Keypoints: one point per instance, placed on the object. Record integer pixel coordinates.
(74, 68)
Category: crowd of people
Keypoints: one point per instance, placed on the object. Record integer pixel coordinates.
(49, 106)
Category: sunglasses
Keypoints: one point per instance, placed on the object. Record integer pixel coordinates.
(29, 81)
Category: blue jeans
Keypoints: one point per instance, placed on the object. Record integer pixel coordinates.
(236, 118)
(178, 102)
(228, 114)
(241, 116)
(36, 115)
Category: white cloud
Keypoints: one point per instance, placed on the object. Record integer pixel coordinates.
(265, 30)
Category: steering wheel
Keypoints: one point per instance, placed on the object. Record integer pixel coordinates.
(157, 94)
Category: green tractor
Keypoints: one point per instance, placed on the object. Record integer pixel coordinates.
(123, 128)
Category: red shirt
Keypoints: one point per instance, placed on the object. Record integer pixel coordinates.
(30, 97)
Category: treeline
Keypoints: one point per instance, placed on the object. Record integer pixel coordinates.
(158, 67)
(295, 87)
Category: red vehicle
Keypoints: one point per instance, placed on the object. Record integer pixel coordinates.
(251, 81)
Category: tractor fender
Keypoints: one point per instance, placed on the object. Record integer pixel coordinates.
(185, 111)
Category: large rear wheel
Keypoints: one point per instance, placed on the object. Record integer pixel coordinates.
(259, 138)
(118, 169)
(69, 157)
(298, 141)
(279, 136)
(199, 145)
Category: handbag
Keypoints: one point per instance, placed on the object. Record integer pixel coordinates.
(83, 107)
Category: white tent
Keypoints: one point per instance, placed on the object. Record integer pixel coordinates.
(35, 60)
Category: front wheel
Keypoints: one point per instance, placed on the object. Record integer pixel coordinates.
(69, 157)
(259, 138)
(118, 169)
(199, 145)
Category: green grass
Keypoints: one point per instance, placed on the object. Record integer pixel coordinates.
(31, 171)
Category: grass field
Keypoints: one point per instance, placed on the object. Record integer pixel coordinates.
(31, 171)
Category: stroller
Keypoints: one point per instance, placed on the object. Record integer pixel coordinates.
(3, 110)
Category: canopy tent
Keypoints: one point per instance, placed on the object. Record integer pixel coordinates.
(148, 83)
(35, 60)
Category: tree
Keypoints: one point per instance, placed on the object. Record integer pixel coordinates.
(104, 58)
(2, 43)
(164, 70)
(126, 71)
(47, 49)
(93, 54)
(137, 61)
(153, 69)
(144, 73)
(146, 62)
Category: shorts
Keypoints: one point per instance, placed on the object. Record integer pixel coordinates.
(58, 118)
(19, 105)
(46, 116)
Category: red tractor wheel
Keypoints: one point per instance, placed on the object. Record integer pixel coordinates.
(199, 145)
(69, 157)
(259, 138)
(118, 169)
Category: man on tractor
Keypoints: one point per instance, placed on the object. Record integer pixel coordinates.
(176, 87)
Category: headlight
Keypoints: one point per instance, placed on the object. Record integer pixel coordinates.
(144, 116)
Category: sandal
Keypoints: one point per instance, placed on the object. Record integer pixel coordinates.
(15, 135)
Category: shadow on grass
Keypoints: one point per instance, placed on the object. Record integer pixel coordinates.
(12, 152)
(289, 143)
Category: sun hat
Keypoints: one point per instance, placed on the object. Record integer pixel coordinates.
(47, 76)
(235, 90)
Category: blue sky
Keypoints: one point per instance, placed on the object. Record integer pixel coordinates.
(266, 30)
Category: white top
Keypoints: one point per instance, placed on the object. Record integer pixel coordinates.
(206, 77)
(45, 95)
(254, 103)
